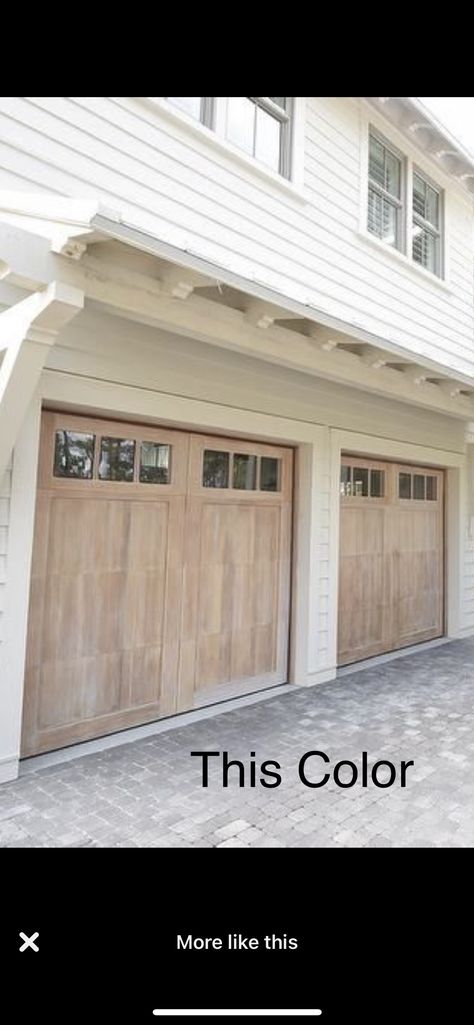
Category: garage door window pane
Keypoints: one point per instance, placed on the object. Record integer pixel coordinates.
(418, 486)
(404, 485)
(244, 474)
(360, 482)
(345, 480)
(73, 454)
(377, 483)
(116, 459)
(431, 489)
(215, 473)
(155, 463)
(269, 474)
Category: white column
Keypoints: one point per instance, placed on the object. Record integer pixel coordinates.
(27, 331)
(319, 560)
(20, 543)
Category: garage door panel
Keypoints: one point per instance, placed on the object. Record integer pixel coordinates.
(82, 615)
(391, 575)
(142, 614)
(71, 691)
(159, 582)
(142, 675)
(213, 660)
(237, 571)
(86, 535)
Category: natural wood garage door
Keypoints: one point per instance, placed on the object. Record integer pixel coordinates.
(160, 576)
(391, 587)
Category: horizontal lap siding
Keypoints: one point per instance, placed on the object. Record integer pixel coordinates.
(165, 179)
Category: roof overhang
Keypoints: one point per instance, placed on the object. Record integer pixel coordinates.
(44, 238)
(414, 120)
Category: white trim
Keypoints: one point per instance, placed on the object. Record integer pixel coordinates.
(8, 769)
(20, 545)
(293, 186)
(321, 676)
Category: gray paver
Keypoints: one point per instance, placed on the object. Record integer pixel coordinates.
(148, 794)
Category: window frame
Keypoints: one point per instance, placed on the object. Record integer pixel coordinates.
(404, 251)
(416, 218)
(400, 202)
(285, 117)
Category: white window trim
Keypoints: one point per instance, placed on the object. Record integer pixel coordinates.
(293, 186)
(370, 122)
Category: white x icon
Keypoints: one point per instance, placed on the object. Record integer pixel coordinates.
(29, 941)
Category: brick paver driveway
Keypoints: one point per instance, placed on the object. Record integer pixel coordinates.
(148, 794)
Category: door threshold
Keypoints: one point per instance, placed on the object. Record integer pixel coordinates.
(390, 656)
(129, 736)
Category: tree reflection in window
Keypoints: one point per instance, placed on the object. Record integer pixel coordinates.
(244, 472)
(269, 474)
(155, 463)
(117, 457)
(215, 471)
(73, 454)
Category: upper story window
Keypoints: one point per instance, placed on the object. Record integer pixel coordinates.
(259, 126)
(385, 185)
(410, 223)
(426, 224)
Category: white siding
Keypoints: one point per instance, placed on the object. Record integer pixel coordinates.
(177, 184)
(5, 491)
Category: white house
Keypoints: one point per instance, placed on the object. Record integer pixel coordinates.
(236, 400)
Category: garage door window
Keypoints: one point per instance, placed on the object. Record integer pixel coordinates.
(404, 485)
(240, 471)
(117, 457)
(431, 489)
(269, 474)
(215, 472)
(244, 472)
(73, 454)
(362, 482)
(418, 486)
(155, 463)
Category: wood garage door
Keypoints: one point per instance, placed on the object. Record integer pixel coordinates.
(391, 579)
(160, 576)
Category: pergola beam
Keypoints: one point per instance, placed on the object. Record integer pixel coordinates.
(145, 299)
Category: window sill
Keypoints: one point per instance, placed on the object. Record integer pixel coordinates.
(404, 260)
(209, 136)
